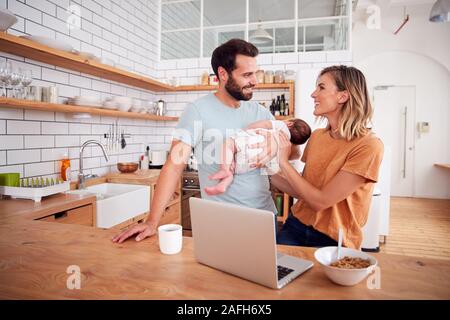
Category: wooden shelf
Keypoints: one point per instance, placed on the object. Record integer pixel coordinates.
(44, 106)
(36, 51)
(286, 86)
(259, 86)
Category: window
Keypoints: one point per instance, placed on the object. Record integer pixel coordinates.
(193, 28)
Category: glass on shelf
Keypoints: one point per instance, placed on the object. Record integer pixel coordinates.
(16, 79)
(5, 76)
(27, 78)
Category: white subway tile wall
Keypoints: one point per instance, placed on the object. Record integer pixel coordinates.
(33, 142)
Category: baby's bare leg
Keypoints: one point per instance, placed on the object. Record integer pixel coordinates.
(227, 159)
(225, 174)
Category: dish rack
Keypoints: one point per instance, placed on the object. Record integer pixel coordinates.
(34, 193)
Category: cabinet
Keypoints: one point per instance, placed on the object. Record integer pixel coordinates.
(83, 215)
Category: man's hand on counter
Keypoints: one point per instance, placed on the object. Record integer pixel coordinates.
(142, 230)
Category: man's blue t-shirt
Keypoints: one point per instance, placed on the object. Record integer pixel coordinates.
(204, 125)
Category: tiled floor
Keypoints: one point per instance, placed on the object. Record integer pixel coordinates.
(419, 227)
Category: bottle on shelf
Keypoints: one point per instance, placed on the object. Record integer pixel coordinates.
(65, 167)
(282, 105)
(272, 107)
(286, 110)
(277, 106)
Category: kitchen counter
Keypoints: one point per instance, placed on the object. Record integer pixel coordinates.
(12, 210)
(35, 255)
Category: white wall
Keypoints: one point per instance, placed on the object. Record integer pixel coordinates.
(432, 83)
(31, 142)
(417, 56)
(418, 35)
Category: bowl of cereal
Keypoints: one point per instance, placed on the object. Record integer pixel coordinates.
(353, 267)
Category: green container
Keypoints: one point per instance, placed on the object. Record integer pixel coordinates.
(279, 204)
(10, 179)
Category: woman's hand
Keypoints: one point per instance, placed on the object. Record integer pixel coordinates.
(284, 148)
(142, 230)
(269, 149)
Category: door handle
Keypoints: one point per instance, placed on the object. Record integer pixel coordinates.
(404, 142)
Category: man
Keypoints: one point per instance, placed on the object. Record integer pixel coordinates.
(204, 125)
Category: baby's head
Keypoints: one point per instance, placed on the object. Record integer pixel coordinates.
(299, 129)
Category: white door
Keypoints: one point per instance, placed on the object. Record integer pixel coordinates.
(393, 122)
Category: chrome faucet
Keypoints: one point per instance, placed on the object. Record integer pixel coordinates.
(81, 176)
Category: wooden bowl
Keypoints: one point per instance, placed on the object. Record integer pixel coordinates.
(127, 167)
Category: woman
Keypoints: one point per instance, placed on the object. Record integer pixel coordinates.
(341, 165)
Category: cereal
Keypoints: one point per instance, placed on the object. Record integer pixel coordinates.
(351, 263)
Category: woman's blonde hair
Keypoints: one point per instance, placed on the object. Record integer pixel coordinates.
(356, 112)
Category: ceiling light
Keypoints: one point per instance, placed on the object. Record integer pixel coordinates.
(440, 12)
(260, 36)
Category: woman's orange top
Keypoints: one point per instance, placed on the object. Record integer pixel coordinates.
(324, 157)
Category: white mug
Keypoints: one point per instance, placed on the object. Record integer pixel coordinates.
(170, 238)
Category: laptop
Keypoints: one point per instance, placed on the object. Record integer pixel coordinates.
(241, 241)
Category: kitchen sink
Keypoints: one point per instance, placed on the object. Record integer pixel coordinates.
(117, 202)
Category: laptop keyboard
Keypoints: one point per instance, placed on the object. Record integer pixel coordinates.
(283, 272)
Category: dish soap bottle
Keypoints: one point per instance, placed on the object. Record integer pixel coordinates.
(65, 167)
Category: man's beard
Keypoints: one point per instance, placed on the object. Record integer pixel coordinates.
(237, 92)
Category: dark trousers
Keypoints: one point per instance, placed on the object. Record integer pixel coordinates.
(295, 233)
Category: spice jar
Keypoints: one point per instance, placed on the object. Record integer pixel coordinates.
(289, 76)
(279, 77)
(268, 76)
(213, 81)
(260, 76)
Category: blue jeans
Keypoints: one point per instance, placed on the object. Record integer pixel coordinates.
(295, 233)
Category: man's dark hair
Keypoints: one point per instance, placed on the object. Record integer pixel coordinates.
(300, 131)
(225, 55)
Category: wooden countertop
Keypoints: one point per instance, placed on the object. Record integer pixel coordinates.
(23, 209)
(35, 255)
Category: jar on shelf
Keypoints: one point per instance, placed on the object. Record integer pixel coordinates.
(279, 76)
(213, 81)
(205, 78)
(260, 76)
(268, 76)
(289, 76)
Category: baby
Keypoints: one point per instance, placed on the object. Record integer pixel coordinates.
(236, 154)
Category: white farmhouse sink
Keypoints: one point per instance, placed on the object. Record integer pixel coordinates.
(117, 202)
